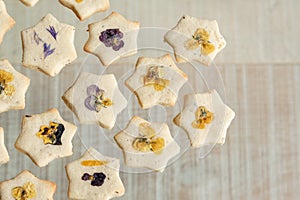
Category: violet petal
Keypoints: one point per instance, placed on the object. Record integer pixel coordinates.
(88, 105)
(92, 90)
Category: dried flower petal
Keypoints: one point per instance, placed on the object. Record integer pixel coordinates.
(154, 77)
(157, 145)
(52, 31)
(203, 117)
(112, 38)
(27, 191)
(200, 39)
(51, 134)
(147, 141)
(47, 50)
(97, 179)
(95, 100)
(5, 78)
(93, 162)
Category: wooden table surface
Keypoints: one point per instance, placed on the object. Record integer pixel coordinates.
(260, 68)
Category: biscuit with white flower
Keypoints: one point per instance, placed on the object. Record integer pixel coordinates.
(6, 21)
(13, 86)
(4, 157)
(48, 46)
(146, 144)
(95, 99)
(94, 176)
(112, 38)
(29, 3)
(156, 81)
(86, 8)
(205, 118)
(195, 39)
(26, 186)
(45, 137)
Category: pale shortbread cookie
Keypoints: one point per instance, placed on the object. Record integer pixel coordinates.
(94, 176)
(4, 158)
(205, 118)
(86, 8)
(95, 99)
(48, 46)
(195, 39)
(13, 86)
(26, 186)
(45, 137)
(6, 21)
(146, 144)
(112, 38)
(156, 81)
(29, 3)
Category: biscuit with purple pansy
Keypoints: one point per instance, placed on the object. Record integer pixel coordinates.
(112, 38)
(95, 99)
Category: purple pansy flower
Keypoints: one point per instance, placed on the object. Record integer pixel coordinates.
(52, 31)
(97, 179)
(95, 100)
(112, 38)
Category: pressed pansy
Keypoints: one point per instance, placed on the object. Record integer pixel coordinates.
(94, 180)
(25, 192)
(112, 38)
(200, 39)
(51, 134)
(197, 114)
(97, 179)
(96, 100)
(115, 32)
(26, 186)
(156, 81)
(194, 39)
(5, 86)
(203, 117)
(147, 141)
(147, 144)
(50, 137)
(13, 86)
(154, 78)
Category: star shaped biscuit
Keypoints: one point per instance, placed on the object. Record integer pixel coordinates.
(94, 176)
(95, 99)
(29, 3)
(4, 158)
(13, 86)
(26, 186)
(6, 21)
(86, 8)
(205, 118)
(48, 46)
(112, 38)
(146, 144)
(156, 81)
(195, 39)
(45, 137)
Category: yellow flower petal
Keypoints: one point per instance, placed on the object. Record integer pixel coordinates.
(157, 145)
(191, 44)
(207, 48)
(93, 162)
